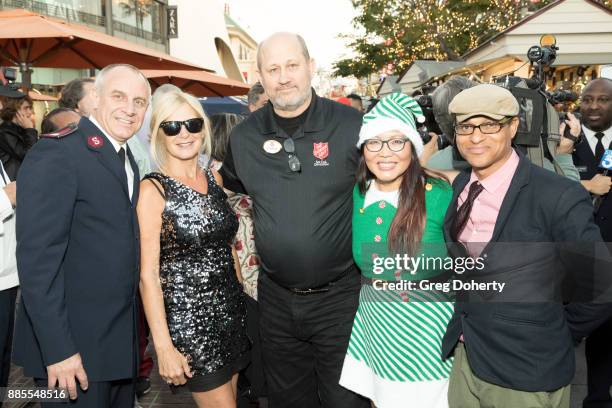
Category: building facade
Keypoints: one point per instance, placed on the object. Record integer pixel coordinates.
(140, 21)
(244, 48)
(203, 37)
(194, 31)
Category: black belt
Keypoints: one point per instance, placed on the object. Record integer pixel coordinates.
(318, 289)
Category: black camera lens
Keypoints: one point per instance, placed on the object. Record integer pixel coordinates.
(535, 53)
(425, 101)
(425, 137)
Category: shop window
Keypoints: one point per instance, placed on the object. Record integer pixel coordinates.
(82, 11)
(144, 15)
(141, 18)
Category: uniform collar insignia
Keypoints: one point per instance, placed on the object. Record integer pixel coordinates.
(71, 128)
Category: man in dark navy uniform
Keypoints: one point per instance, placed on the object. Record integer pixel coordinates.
(78, 249)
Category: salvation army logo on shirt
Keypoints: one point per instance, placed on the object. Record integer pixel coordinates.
(95, 141)
(320, 151)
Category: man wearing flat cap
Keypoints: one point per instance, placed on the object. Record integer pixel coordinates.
(513, 347)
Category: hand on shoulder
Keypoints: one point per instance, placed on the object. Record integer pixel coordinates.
(217, 177)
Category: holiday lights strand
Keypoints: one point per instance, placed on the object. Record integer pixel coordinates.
(396, 32)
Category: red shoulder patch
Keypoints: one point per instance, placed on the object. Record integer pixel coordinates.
(62, 132)
(95, 141)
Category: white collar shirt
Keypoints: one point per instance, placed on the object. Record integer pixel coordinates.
(590, 137)
(128, 168)
(8, 243)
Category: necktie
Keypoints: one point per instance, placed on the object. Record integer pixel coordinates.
(463, 213)
(121, 154)
(599, 147)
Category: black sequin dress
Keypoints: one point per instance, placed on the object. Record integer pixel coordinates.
(204, 302)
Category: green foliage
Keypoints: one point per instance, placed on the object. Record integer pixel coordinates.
(396, 32)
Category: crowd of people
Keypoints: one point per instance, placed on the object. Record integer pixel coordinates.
(250, 249)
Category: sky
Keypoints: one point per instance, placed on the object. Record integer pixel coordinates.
(318, 21)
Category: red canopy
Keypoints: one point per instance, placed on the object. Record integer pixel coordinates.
(35, 96)
(198, 83)
(32, 40)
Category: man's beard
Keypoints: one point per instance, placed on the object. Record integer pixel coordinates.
(290, 107)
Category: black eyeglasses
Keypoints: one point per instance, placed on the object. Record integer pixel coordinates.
(173, 127)
(487, 128)
(294, 162)
(376, 145)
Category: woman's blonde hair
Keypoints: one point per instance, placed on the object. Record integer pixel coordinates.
(165, 105)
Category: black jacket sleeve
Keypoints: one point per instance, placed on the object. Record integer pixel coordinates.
(17, 140)
(585, 258)
(231, 181)
(45, 200)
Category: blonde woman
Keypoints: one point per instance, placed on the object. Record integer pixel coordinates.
(189, 278)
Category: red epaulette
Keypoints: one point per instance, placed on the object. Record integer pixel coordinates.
(62, 132)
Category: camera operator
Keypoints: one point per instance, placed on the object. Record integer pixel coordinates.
(447, 158)
(450, 159)
(596, 110)
(562, 99)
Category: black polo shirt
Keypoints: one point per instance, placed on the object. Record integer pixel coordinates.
(302, 220)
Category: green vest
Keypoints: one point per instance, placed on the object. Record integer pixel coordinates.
(371, 226)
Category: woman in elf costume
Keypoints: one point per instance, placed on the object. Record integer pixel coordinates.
(393, 356)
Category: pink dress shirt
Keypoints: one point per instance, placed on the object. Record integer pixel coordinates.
(479, 228)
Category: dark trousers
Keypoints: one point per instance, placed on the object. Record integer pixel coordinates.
(598, 352)
(106, 394)
(251, 381)
(304, 340)
(7, 323)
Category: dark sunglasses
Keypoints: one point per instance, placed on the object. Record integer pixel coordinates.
(173, 127)
(294, 162)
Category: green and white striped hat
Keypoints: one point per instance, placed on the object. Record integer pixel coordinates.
(393, 112)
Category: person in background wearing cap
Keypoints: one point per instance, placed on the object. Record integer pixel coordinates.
(17, 132)
(393, 354)
(512, 354)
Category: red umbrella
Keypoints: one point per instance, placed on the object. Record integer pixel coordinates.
(198, 83)
(31, 40)
(35, 96)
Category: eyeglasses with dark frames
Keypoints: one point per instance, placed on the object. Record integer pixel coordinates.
(487, 128)
(294, 162)
(395, 145)
(173, 127)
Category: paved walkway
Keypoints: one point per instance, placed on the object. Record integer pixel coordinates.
(161, 397)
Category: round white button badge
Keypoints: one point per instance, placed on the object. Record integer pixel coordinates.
(272, 146)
